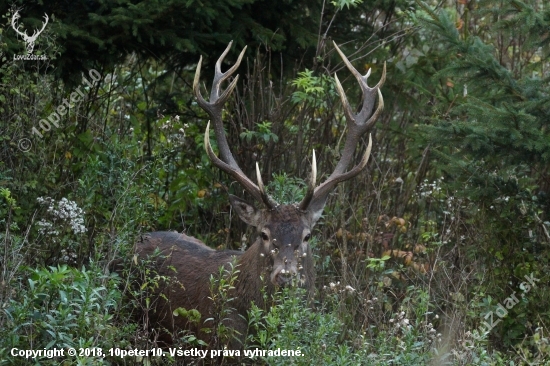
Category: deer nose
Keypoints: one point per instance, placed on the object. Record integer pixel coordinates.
(284, 277)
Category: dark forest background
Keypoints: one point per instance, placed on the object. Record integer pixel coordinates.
(413, 255)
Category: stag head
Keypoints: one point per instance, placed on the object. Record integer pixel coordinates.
(283, 231)
(29, 40)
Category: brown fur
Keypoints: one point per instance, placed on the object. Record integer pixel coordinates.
(194, 263)
(281, 254)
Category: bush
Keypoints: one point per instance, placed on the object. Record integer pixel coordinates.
(61, 307)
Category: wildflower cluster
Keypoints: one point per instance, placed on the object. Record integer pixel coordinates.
(427, 189)
(467, 346)
(170, 126)
(432, 333)
(339, 288)
(61, 213)
(371, 302)
(453, 205)
(400, 322)
(68, 256)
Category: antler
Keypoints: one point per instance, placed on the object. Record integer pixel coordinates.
(214, 108)
(29, 40)
(16, 28)
(36, 32)
(357, 125)
(25, 36)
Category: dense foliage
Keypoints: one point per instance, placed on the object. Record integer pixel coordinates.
(437, 254)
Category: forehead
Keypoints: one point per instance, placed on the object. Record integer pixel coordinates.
(286, 219)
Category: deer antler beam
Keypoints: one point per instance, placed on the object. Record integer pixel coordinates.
(214, 107)
(358, 124)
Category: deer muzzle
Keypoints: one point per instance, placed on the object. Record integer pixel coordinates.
(283, 274)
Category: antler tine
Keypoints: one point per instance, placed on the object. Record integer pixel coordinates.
(46, 18)
(220, 76)
(358, 124)
(214, 108)
(14, 19)
(328, 185)
(311, 184)
(267, 200)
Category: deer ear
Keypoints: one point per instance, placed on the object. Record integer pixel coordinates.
(248, 213)
(315, 209)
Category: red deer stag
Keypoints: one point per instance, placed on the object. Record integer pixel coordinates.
(280, 253)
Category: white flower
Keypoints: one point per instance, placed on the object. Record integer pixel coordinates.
(63, 212)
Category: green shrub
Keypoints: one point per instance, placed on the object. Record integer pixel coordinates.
(61, 307)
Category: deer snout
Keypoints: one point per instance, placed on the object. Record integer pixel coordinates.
(283, 276)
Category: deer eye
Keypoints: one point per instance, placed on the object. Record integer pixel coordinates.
(264, 236)
(308, 236)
